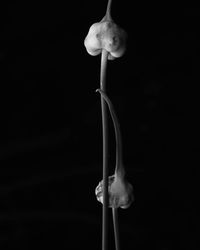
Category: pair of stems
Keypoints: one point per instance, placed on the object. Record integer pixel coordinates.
(104, 58)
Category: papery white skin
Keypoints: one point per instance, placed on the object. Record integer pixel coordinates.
(106, 35)
(119, 191)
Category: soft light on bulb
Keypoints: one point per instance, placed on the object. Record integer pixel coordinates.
(119, 190)
(106, 35)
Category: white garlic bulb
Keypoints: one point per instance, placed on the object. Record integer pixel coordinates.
(106, 35)
(120, 192)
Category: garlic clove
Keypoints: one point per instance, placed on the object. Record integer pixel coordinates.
(92, 42)
(121, 192)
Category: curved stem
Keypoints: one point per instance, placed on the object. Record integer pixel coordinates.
(119, 169)
(104, 57)
(116, 228)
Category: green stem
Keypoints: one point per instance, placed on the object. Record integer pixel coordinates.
(104, 57)
(116, 228)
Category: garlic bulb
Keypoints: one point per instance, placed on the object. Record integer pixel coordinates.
(106, 35)
(119, 192)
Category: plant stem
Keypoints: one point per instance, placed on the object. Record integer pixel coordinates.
(108, 12)
(104, 57)
(116, 228)
(119, 169)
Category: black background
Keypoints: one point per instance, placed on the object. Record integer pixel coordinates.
(50, 137)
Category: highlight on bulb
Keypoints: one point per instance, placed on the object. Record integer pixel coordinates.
(119, 190)
(106, 35)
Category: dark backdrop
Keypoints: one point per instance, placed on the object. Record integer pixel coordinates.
(50, 137)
